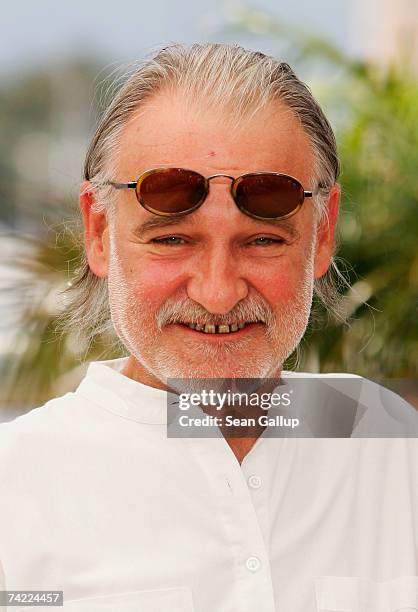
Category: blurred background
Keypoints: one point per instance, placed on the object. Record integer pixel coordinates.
(360, 59)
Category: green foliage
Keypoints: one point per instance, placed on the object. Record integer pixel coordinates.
(43, 355)
(379, 225)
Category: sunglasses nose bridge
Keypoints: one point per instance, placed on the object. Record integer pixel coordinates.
(220, 176)
(228, 176)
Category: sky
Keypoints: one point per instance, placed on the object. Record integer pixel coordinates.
(48, 31)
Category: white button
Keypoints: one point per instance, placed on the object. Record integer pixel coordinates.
(254, 481)
(253, 564)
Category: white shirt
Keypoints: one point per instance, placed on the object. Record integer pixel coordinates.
(96, 501)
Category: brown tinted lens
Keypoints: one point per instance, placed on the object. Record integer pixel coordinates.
(269, 195)
(171, 191)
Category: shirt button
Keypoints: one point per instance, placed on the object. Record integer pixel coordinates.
(254, 482)
(253, 564)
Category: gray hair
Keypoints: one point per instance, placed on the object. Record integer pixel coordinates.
(229, 77)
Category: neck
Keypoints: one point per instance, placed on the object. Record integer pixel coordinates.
(135, 370)
(240, 446)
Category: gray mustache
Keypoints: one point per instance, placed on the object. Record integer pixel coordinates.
(184, 310)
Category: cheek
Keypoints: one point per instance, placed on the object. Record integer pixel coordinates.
(282, 281)
(154, 281)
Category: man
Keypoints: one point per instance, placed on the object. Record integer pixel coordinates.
(209, 205)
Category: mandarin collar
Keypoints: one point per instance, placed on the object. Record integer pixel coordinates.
(105, 385)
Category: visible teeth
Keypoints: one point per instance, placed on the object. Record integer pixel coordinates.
(223, 329)
(210, 329)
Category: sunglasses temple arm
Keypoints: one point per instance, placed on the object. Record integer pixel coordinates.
(320, 188)
(131, 185)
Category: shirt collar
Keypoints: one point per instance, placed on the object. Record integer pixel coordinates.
(105, 385)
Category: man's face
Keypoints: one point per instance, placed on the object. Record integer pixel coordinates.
(215, 265)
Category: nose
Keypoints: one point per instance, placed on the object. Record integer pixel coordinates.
(216, 283)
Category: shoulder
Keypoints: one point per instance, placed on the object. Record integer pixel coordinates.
(37, 420)
(320, 375)
(51, 415)
(48, 430)
(378, 411)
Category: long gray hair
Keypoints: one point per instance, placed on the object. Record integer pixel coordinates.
(226, 77)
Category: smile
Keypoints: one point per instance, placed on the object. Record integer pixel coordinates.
(210, 328)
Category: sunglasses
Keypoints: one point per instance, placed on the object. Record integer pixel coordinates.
(177, 191)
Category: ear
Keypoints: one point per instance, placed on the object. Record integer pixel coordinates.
(326, 233)
(96, 233)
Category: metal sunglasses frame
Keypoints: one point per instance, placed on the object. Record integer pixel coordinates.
(235, 182)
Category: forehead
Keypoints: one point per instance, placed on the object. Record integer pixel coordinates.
(168, 132)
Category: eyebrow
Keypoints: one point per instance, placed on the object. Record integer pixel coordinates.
(157, 222)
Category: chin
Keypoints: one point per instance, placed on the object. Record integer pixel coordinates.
(247, 358)
(231, 366)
